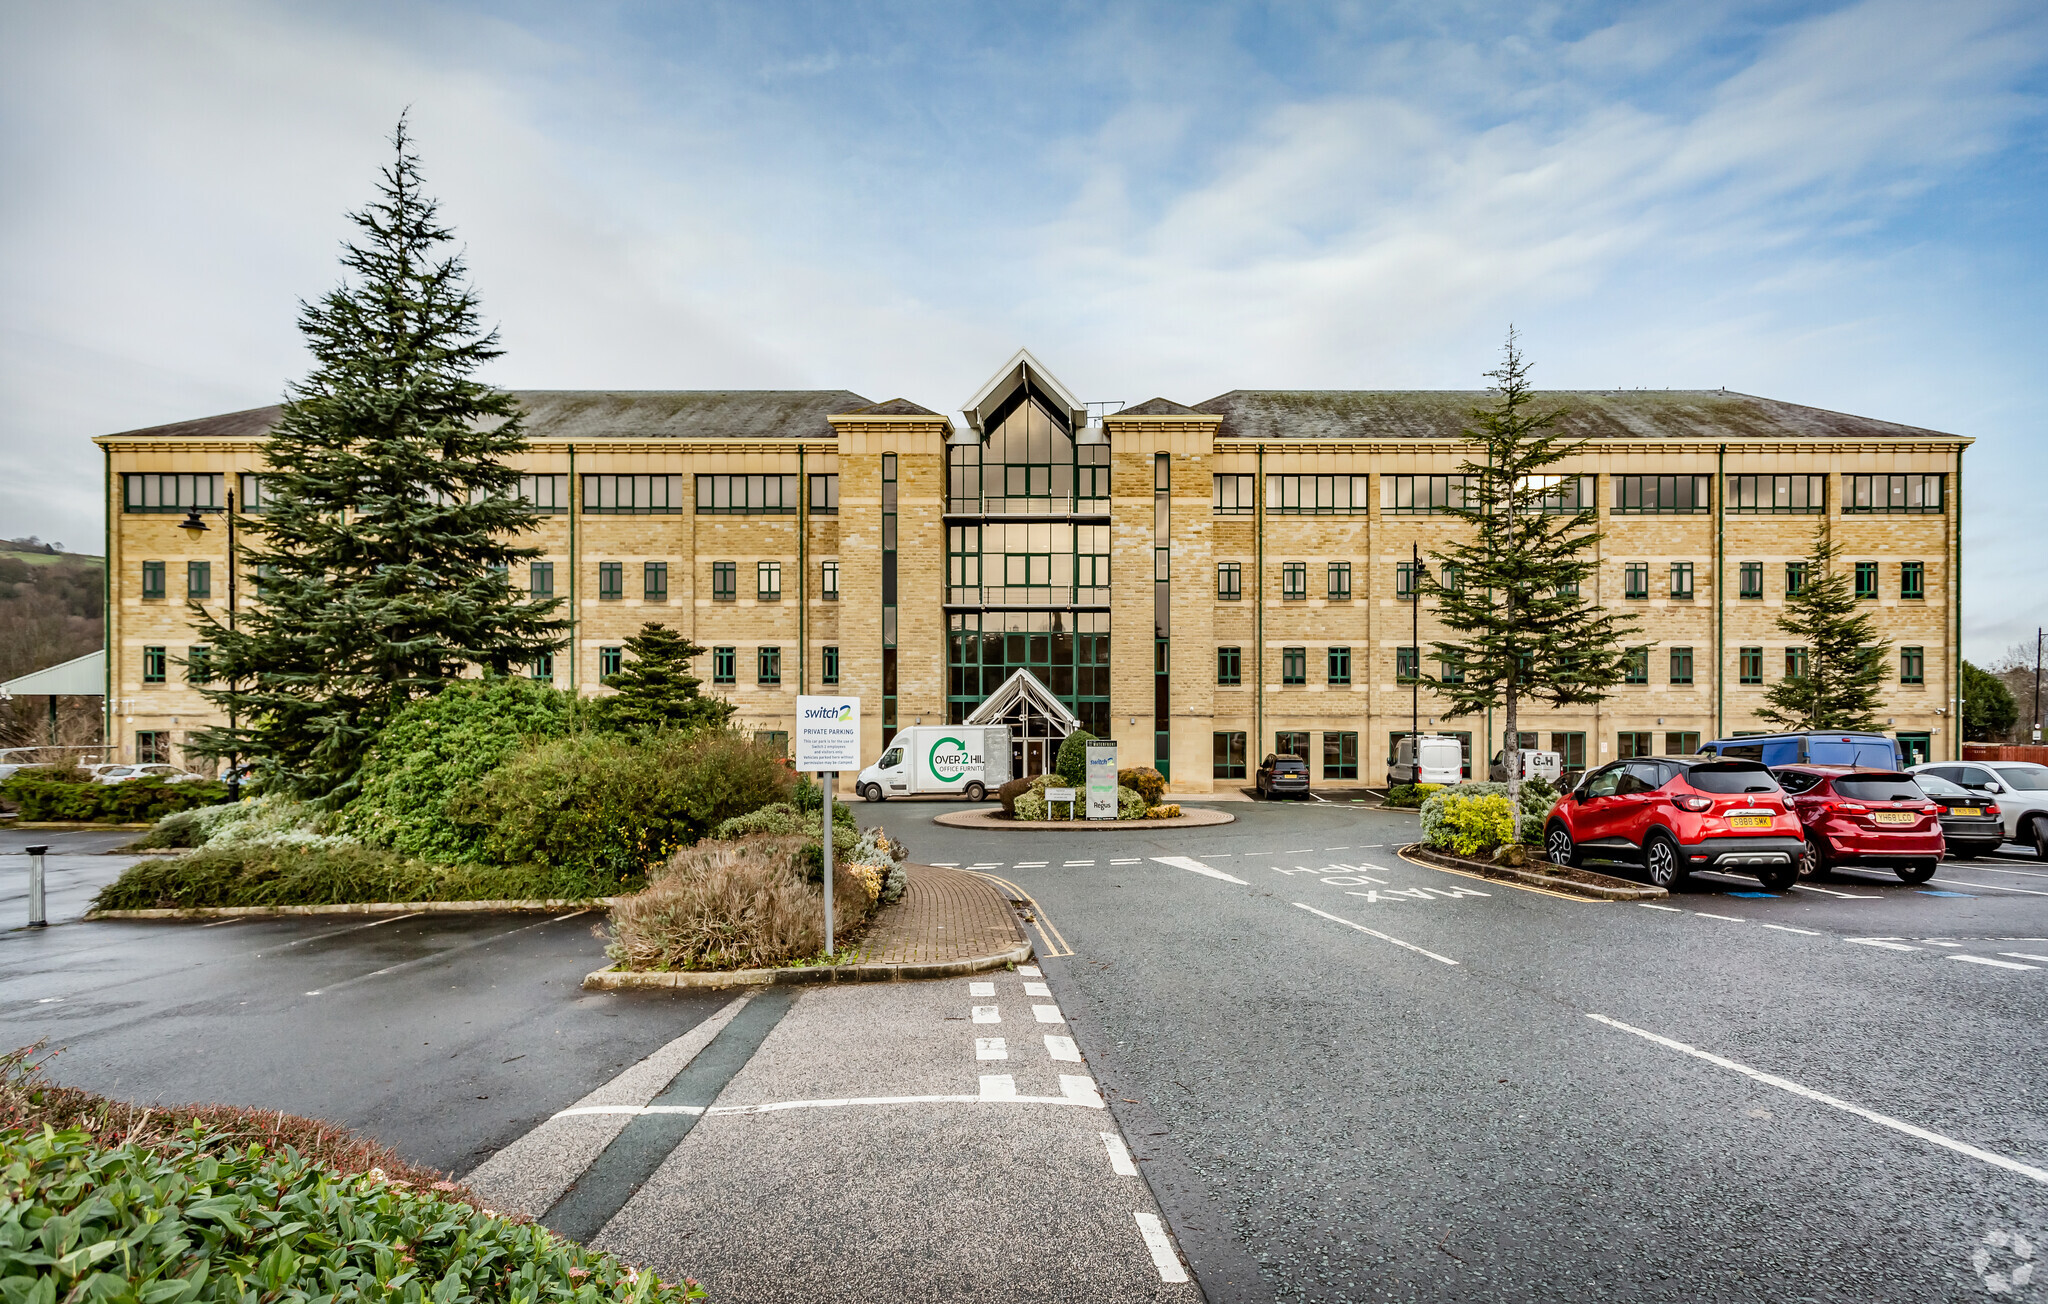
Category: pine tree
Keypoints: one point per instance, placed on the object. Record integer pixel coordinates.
(390, 513)
(1845, 660)
(1517, 588)
(655, 688)
(1989, 711)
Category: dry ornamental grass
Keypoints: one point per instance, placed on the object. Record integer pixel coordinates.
(741, 904)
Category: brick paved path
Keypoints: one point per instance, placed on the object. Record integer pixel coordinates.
(944, 915)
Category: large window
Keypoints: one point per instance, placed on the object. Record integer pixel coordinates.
(1229, 747)
(724, 665)
(1795, 578)
(825, 495)
(1912, 665)
(1645, 495)
(1236, 496)
(725, 581)
(1340, 665)
(1778, 494)
(1917, 492)
(1293, 665)
(1066, 651)
(1795, 663)
(153, 747)
(1633, 743)
(768, 665)
(632, 495)
(1317, 494)
(611, 580)
(1405, 574)
(1291, 742)
(1681, 581)
(1913, 580)
(1340, 755)
(1635, 580)
(748, 495)
(162, 491)
(1752, 579)
(547, 494)
(1681, 742)
(254, 499)
(1229, 581)
(654, 581)
(1294, 580)
(1749, 665)
(1034, 563)
(152, 579)
(1408, 494)
(1030, 463)
(1571, 748)
(1338, 586)
(1866, 580)
(1681, 665)
(1569, 494)
(1229, 666)
(768, 581)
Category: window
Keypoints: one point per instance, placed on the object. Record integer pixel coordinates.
(1305, 495)
(768, 665)
(1636, 670)
(198, 663)
(1338, 586)
(1234, 497)
(1912, 665)
(1450, 671)
(1571, 747)
(1866, 579)
(1681, 580)
(748, 495)
(1407, 665)
(1229, 581)
(1662, 495)
(1634, 743)
(830, 672)
(1453, 577)
(266, 573)
(1752, 579)
(725, 581)
(152, 491)
(1683, 742)
(546, 494)
(1569, 494)
(1294, 580)
(1293, 665)
(1749, 663)
(610, 660)
(152, 579)
(1229, 665)
(632, 495)
(1917, 492)
(724, 665)
(775, 739)
(1291, 742)
(152, 747)
(1777, 494)
(153, 665)
(540, 579)
(611, 580)
(1340, 755)
(1635, 580)
(1403, 495)
(543, 666)
(1795, 578)
(1568, 589)
(768, 581)
(1340, 665)
(654, 581)
(1404, 581)
(1795, 663)
(1230, 749)
(828, 581)
(1913, 580)
(1681, 665)
(825, 495)
(254, 499)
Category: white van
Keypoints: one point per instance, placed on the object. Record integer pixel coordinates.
(1427, 758)
(956, 760)
(1547, 766)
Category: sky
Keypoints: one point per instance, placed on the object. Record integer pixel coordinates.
(1839, 205)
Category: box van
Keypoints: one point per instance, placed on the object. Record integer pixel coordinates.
(954, 760)
(1427, 758)
(1547, 766)
(1866, 751)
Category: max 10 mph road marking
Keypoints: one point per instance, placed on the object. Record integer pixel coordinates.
(1197, 867)
(1373, 932)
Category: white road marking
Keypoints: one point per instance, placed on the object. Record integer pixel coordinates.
(986, 1014)
(1029, 971)
(1119, 1157)
(947, 864)
(1047, 1013)
(1931, 942)
(1673, 909)
(1086, 1100)
(1375, 933)
(1987, 887)
(990, 1048)
(433, 956)
(1708, 914)
(1993, 869)
(1786, 1084)
(1336, 848)
(1846, 896)
(1298, 851)
(1197, 867)
(2022, 955)
(981, 989)
(219, 923)
(998, 1086)
(1037, 989)
(1072, 863)
(1160, 1247)
(1080, 1088)
(1029, 864)
(1996, 964)
(1879, 941)
(1132, 861)
(986, 864)
(1063, 1049)
(1787, 928)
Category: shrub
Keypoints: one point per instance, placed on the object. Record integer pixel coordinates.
(735, 905)
(317, 876)
(1129, 805)
(1071, 764)
(1466, 823)
(429, 750)
(1537, 799)
(1411, 794)
(1163, 812)
(1030, 805)
(1009, 792)
(53, 793)
(783, 818)
(1145, 781)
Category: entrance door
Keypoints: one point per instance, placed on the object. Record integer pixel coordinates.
(1034, 757)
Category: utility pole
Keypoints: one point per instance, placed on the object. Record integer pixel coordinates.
(1415, 675)
(2037, 683)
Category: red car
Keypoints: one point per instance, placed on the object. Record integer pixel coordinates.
(1673, 815)
(1864, 817)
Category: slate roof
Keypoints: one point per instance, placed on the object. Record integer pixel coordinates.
(1594, 414)
(895, 407)
(1155, 407)
(585, 413)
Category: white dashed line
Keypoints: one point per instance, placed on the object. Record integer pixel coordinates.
(998, 1086)
(1063, 1049)
(990, 1048)
(1787, 928)
(1673, 909)
(1119, 1157)
(1950, 945)
(1161, 1248)
(1708, 914)
(2022, 955)
(1996, 964)
(1131, 861)
(1376, 933)
(1987, 887)
(1846, 896)
(981, 989)
(1076, 863)
(986, 1014)
(947, 864)
(1197, 867)
(1029, 971)
(1029, 864)
(1037, 989)
(1047, 1013)
(1879, 941)
(1080, 1088)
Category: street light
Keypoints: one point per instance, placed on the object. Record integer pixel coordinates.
(192, 525)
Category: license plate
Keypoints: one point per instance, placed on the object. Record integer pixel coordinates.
(1895, 817)
(1966, 810)
(1749, 821)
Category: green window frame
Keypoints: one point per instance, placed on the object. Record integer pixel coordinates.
(829, 671)
(1291, 742)
(1866, 581)
(1681, 742)
(1229, 749)
(611, 580)
(540, 580)
(725, 581)
(543, 667)
(610, 660)
(198, 579)
(1450, 671)
(724, 665)
(1635, 580)
(1681, 581)
(152, 579)
(1417, 495)
(633, 495)
(1571, 748)
(1404, 581)
(825, 494)
(1340, 665)
(1229, 581)
(1294, 581)
(1407, 665)
(1293, 665)
(1912, 665)
(1317, 495)
(768, 665)
(1229, 666)
(1777, 495)
(1751, 582)
(1662, 495)
(1749, 665)
(768, 581)
(154, 664)
(828, 581)
(1681, 665)
(1795, 578)
(1569, 495)
(152, 747)
(162, 492)
(1452, 577)
(1796, 662)
(1236, 495)
(1338, 584)
(746, 495)
(1913, 581)
(1631, 743)
(1340, 755)
(1636, 670)
(1918, 493)
(546, 494)
(654, 581)
(198, 663)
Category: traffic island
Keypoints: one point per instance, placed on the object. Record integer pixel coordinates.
(1582, 883)
(995, 819)
(948, 923)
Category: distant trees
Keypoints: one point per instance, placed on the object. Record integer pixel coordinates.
(1989, 713)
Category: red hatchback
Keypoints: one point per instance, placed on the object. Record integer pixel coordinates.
(1673, 815)
(1864, 817)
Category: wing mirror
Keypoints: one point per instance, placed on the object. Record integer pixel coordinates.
(1994, 786)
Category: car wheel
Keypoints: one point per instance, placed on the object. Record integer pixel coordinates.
(2040, 831)
(1918, 872)
(1559, 848)
(873, 792)
(1779, 878)
(975, 792)
(1662, 860)
(1813, 861)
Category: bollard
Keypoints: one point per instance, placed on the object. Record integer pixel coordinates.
(35, 888)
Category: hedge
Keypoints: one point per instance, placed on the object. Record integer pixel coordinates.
(47, 793)
(287, 875)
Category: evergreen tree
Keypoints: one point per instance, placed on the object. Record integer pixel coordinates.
(1516, 589)
(389, 517)
(655, 688)
(1845, 659)
(1988, 709)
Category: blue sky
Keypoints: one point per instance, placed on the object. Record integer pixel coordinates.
(1831, 204)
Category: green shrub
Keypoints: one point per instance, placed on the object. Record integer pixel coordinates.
(347, 874)
(1537, 799)
(1468, 824)
(1129, 805)
(53, 793)
(186, 1223)
(1411, 794)
(1071, 764)
(1009, 792)
(783, 819)
(1030, 804)
(1145, 781)
(428, 751)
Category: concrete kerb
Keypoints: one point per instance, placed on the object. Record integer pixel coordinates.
(614, 979)
(1607, 889)
(987, 819)
(360, 908)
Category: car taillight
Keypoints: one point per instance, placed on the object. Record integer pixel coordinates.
(1847, 807)
(1991, 808)
(1697, 805)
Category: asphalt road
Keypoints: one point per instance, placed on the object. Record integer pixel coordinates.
(1430, 1110)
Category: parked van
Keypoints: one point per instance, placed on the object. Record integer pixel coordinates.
(1865, 751)
(953, 760)
(1427, 758)
(1547, 766)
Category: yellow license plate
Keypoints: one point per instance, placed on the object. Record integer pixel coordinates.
(1749, 821)
(1966, 810)
(1895, 817)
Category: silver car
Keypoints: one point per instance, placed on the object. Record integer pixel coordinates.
(2019, 787)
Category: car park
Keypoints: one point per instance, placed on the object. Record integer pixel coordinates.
(1282, 775)
(1971, 823)
(1675, 815)
(2020, 788)
(1853, 816)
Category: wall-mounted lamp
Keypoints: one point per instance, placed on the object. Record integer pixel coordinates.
(1660, 719)
(192, 525)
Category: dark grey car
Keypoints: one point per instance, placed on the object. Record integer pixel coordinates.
(1283, 776)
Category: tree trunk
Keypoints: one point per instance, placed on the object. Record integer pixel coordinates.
(1511, 753)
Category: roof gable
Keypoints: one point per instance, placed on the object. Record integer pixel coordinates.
(1020, 371)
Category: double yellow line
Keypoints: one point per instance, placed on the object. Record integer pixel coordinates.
(1051, 944)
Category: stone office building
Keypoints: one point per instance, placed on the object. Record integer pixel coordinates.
(1203, 583)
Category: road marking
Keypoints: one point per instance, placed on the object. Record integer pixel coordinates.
(1787, 928)
(1992, 869)
(1047, 1013)
(1336, 848)
(998, 1086)
(1375, 933)
(981, 989)
(1846, 896)
(1996, 964)
(1989, 887)
(1064, 1049)
(221, 922)
(1673, 909)
(1036, 989)
(1132, 861)
(947, 864)
(1073, 863)
(1298, 851)
(986, 1014)
(1054, 944)
(436, 955)
(2022, 955)
(1029, 971)
(990, 1048)
(1879, 941)
(1708, 914)
(1029, 864)
(1160, 1247)
(1119, 1156)
(1932, 942)
(1883, 1120)
(1197, 867)
(986, 864)
(1080, 1088)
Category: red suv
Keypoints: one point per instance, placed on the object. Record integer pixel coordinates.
(1871, 817)
(1676, 815)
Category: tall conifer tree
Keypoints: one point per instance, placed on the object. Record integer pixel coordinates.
(1845, 659)
(390, 513)
(655, 688)
(1519, 588)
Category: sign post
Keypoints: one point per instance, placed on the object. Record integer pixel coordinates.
(1102, 780)
(827, 741)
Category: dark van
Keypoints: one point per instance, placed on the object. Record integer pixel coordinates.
(1867, 751)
